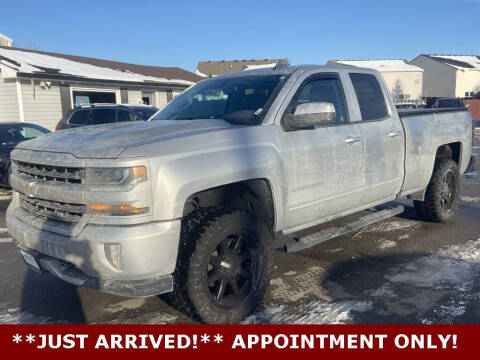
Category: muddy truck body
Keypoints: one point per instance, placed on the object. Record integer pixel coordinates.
(194, 201)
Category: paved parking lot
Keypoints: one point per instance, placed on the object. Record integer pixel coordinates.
(397, 271)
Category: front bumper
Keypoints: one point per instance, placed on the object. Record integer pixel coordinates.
(132, 288)
(140, 264)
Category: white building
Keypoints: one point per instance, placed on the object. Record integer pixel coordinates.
(403, 79)
(40, 87)
(449, 75)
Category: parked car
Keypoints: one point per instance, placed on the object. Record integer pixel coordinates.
(95, 114)
(12, 134)
(195, 204)
(406, 106)
(448, 103)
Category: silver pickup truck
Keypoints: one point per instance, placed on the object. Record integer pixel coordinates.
(193, 201)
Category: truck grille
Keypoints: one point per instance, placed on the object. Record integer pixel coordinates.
(53, 209)
(50, 173)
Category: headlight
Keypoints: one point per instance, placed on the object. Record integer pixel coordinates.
(115, 177)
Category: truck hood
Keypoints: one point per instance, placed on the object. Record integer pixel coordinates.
(110, 140)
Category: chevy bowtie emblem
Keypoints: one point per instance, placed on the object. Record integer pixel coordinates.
(29, 189)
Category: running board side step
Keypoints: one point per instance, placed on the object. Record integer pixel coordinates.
(327, 234)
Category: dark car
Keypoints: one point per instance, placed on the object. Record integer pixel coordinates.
(10, 135)
(95, 114)
(448, 103)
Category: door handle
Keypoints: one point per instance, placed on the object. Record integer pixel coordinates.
(352, 139)
(394, 133)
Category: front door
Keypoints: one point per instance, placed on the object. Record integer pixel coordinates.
(323, 165)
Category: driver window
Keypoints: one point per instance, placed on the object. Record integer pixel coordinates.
(324, 89)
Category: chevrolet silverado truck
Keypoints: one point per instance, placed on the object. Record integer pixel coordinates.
(192, 202)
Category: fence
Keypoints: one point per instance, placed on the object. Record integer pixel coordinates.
(474, 107)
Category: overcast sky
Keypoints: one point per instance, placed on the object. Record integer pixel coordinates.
(180, 33)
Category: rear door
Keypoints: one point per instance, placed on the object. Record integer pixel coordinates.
(383, 137)
(323, 166)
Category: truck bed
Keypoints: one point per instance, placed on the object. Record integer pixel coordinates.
(425, 131)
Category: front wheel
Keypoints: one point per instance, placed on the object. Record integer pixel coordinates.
(443, 193)
(224, 267)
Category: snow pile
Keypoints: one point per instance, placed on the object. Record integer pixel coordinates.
(30, 62)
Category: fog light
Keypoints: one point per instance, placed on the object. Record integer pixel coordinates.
(113, 253)
(116, 210)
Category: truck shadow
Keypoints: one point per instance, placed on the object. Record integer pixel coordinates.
(50, 300)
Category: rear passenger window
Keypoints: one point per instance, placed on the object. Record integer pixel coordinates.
(370, 96)
(103, 116)
(79, 117)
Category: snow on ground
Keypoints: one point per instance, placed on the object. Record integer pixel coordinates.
(470, 199)
(315, 312)
(15, 316)
(385, 244)
(434, 288)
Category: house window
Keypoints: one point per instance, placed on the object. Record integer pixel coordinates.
(466, 93)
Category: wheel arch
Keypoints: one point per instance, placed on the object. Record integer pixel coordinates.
(253, 195)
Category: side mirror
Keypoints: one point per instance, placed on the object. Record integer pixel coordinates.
(310, 115)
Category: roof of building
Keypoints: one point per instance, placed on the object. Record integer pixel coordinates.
(213, 68)
(382, 65)
(42, 62)
(463, 62)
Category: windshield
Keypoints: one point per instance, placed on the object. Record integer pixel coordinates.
(144, 112)
(238, 100)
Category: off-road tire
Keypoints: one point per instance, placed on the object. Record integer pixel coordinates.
(431, 209)
(201, 235)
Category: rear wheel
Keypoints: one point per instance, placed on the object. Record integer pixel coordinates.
(443, 193)
(224, 266)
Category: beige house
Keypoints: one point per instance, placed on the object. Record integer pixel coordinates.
(214, 68)
(449, 75)
(5, 40)
(403, 79)
(40, 87)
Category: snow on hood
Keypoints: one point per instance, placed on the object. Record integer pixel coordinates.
(110, 140)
